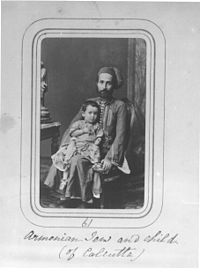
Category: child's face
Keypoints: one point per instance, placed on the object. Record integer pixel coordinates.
(90, 114)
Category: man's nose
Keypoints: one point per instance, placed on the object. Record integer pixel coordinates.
(104, 86)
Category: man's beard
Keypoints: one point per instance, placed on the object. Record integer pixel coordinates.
(105, 94)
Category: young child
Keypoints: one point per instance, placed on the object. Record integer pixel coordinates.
(86, 136)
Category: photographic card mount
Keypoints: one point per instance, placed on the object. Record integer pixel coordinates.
(154, 123)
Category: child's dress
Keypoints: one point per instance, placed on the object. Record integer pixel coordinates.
(82, 145)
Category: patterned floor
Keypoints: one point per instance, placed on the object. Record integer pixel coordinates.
(128, 193)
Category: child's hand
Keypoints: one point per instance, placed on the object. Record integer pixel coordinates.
(86, 130)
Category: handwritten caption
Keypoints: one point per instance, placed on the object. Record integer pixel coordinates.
(96, 244)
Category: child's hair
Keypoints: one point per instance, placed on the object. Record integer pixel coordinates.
(90, 103)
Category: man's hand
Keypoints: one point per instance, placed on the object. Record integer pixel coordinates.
(106, 165)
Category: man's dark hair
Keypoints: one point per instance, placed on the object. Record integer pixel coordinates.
(90, 103)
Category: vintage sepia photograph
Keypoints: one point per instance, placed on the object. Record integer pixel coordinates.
(92, 122)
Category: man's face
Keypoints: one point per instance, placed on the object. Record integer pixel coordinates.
(105, 85)
(90, 114)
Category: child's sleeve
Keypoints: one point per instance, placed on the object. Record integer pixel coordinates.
(75, 126)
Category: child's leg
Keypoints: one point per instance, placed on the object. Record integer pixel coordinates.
(85, 176)
(65, 174)
(71, 176)
(50, 179)
(96, 189)
(63, 181)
